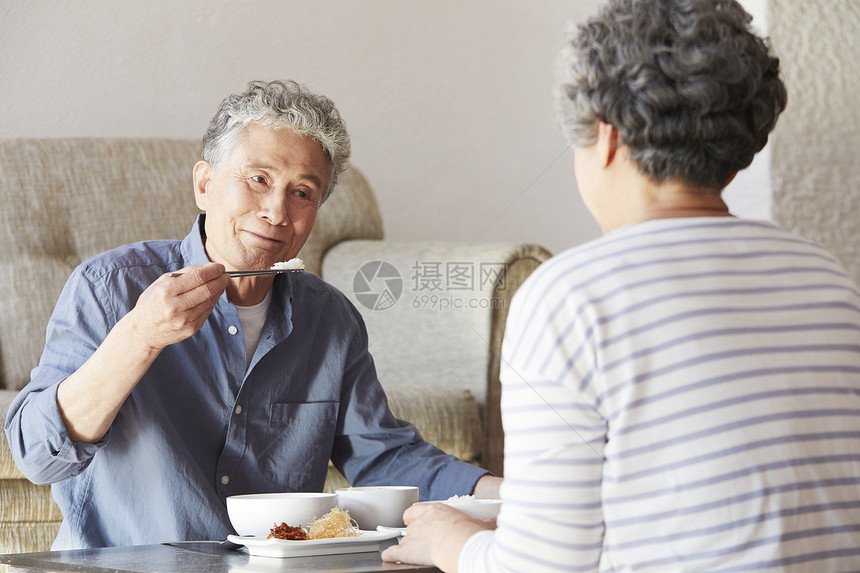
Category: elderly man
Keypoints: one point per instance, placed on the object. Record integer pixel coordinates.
(166, 385)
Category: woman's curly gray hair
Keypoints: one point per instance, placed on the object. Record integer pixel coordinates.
(276, 105)
(692, 90)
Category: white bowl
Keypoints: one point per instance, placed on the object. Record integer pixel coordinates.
(476, 508)
(257, 513)
(372, 506)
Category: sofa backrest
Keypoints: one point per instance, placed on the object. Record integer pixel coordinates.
(66, 200)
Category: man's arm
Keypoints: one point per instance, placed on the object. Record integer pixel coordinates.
(169, 311)
(373, 447)
(97, 351)
(487, 487)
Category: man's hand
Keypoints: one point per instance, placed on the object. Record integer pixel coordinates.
(170, 310)
(173, 308)
(435, 535)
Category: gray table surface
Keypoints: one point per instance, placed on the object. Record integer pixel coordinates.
(193, 557)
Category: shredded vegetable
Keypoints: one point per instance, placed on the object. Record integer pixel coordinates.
(336, 523)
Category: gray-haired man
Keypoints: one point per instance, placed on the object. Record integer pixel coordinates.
(157, 396)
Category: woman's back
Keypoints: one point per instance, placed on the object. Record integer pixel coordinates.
(695, 387)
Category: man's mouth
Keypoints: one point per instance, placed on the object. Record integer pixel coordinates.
(263, 238)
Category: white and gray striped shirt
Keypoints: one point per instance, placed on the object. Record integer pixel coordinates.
(681, 395)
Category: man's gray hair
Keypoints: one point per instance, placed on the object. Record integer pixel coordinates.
(691, 89)
(277, 105)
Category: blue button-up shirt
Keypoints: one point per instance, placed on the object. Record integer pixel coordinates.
(198, 427)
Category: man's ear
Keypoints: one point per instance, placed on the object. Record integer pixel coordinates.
(608, 142)
(202, 175)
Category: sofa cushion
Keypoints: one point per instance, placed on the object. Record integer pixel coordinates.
(445, 294)
(27, 537)
(23, 501)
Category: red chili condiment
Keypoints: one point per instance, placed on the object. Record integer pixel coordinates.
(284, 531)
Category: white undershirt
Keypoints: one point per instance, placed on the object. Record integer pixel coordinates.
(252, 319)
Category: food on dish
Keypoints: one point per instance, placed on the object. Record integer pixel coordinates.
(368, 541)
(336, 523)
(292, 533)
(291, 265)
(455, 499)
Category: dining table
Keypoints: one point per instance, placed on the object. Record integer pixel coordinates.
(196, 557)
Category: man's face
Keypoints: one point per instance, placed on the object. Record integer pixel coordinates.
(261, 205)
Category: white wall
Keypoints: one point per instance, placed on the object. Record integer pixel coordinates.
(448, 102)
(751, 193)
(816, 161)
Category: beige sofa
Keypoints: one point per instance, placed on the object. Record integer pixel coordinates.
(435, 335)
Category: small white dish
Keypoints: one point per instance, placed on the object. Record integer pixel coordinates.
(368, 541)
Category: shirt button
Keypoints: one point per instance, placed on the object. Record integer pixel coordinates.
(232, 330)
(225, 480)
(238, 409)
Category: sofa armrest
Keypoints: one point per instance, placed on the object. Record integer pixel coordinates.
(435, 314)
(8, 469)
(29, 518)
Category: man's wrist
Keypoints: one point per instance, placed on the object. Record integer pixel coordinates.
(487, 487)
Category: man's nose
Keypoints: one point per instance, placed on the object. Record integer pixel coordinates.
(274, 208)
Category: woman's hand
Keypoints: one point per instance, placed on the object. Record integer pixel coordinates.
(435, 535)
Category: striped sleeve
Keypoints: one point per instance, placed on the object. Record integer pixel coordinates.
(554, 440)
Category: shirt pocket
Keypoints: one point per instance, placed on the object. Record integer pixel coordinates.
(298, 444)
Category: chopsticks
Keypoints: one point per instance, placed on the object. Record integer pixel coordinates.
(250, 273)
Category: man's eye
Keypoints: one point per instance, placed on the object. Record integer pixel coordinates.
(258, 182)
(306, 196)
